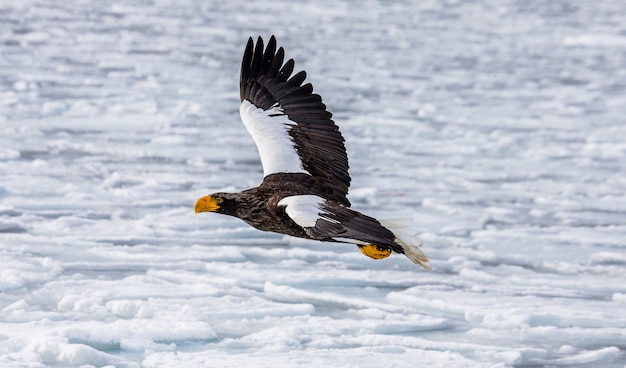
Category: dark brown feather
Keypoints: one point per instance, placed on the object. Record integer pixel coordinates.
(265, 81)
(347, 223)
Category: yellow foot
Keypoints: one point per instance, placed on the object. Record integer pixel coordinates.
(374, 251)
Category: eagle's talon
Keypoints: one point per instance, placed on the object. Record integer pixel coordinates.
(374, 251)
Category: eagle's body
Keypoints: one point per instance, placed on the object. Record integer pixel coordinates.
(258, 207)
(305, 165)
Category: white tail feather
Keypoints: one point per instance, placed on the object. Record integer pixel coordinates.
(409, 242)
(396, 222)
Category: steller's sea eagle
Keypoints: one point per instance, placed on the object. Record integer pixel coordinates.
(305, 166)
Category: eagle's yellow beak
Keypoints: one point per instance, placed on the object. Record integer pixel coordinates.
(206, 204)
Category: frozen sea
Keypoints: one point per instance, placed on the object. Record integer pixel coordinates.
(499, 126)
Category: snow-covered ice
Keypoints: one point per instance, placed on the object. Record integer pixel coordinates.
(498, 125)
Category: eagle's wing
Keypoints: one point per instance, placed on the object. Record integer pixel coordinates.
(288, 122)
(325, 220)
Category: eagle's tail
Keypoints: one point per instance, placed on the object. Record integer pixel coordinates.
(409, 242)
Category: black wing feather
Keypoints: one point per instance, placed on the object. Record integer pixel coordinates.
(265, 82)
(346, 223)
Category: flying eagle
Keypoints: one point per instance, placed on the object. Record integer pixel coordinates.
(305, 165)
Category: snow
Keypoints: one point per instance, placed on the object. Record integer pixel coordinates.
(497, 126)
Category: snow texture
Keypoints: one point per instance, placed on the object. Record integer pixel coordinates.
(497, 125)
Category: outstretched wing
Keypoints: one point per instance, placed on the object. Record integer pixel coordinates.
(325, 220)
(288, 122)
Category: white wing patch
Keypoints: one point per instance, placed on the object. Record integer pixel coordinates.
(270, 131)
(304, 210)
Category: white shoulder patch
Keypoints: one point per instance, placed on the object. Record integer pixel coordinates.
(304, 210)
(270, 131)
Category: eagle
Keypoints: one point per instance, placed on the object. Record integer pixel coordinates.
(305, 165)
